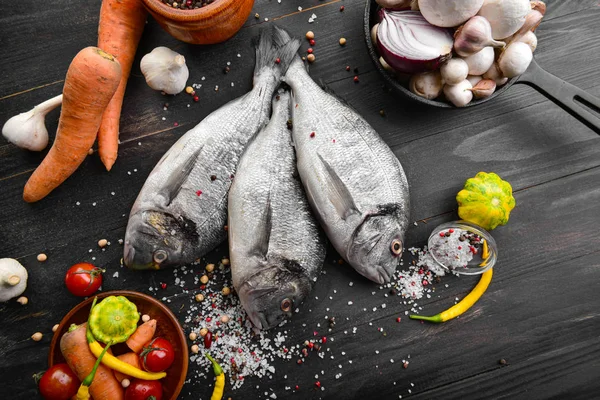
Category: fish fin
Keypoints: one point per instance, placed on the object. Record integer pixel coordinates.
(338, 192)
(174, 182)
(261, 243)
(275, 43)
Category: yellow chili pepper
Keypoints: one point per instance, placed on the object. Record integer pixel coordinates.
(120, 366)
(220, 382)
(469, 299)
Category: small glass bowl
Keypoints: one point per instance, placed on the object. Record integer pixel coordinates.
(462, 247)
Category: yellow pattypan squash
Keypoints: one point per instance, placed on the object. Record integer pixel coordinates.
(486, 200)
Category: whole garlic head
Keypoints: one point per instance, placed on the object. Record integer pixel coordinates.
(165, 70)
(13, 279)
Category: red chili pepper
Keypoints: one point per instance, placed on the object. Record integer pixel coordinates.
(207, 339)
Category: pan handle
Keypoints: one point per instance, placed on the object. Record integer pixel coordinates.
(578, 103)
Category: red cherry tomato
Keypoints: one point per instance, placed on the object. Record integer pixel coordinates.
(59, 383)
(144, 390)
(157, 355)
(83, 279)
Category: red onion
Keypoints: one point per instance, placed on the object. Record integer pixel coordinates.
(408, 43)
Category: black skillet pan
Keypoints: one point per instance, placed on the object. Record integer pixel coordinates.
(580, 104)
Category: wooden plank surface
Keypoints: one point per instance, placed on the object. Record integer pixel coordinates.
(540, 312)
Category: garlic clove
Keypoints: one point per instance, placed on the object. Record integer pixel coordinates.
(460, 95)
(495, 74)
(385, 65)
(484, 88)
(454, 71)
(515, 59)
(28, 130)
(473, 79)
(426, 84)
(538, 6)
(473, 36)
(374, 34)
(533, 20)
(530, 39)
(165, 70)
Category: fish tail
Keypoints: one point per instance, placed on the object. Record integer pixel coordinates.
(275, 50)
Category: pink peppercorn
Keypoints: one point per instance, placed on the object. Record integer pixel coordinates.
(356, 78)
(342, 8)
(163, 285)
(312, 134)
(398, 319)
(277, 60)
(196, 98)
(310, 50)
(312, 42)
(318, 384)
(198, 192)
(324, 339)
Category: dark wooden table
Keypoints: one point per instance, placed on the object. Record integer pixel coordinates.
(541, 312)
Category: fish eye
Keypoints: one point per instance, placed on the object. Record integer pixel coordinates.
(286, 305)
(159, 256)
(396, 247)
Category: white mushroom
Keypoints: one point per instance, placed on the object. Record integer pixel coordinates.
(13, 279)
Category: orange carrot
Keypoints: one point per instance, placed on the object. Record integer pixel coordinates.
(130, 358)
(142, 335)
(77, 354)
(119, 32)
(91, 81)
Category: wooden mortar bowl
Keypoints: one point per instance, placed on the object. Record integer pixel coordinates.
(211, 24)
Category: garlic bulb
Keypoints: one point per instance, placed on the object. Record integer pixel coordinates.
(484, 88)
(515, 59)
(28, 130)
(165, 70)
(448, 13)
(426, 84)
(505, 16)
(454, 71)
(474, 36)
(481, 61)
(460, 95)
(13, 279)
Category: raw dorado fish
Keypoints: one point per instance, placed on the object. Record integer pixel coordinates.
(181, 212)
(354, 182)
(275, 245)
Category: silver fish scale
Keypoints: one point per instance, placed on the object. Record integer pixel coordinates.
(266, 173)
(222, 136)
(366, 165)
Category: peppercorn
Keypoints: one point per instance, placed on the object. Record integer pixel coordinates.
(213, 177)
(226, 69)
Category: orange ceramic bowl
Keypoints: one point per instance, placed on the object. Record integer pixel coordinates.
(210, 24)
(167, 327)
